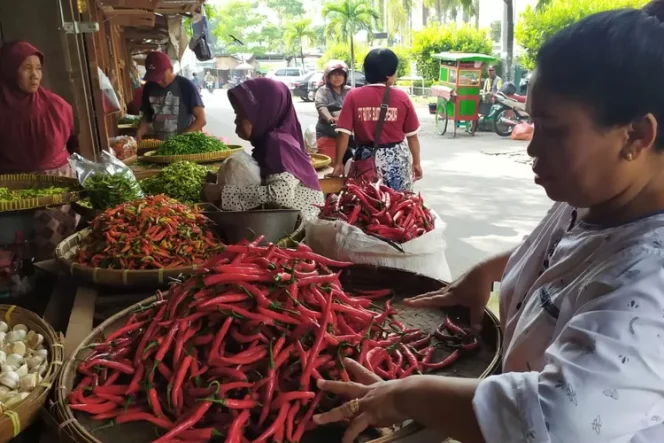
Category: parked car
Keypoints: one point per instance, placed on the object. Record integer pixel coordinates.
(300, 86)
(286, 75)
(316, 81)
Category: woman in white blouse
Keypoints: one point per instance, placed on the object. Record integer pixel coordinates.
(265, 116)
(582, 299)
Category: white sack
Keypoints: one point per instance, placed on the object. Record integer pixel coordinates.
(240, 169)
(424, 255)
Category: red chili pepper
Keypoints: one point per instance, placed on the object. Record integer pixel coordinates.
(161, 422)
(94, 409)
(235, 431)
(179, 379)
(307, 417)
(153, 399)
(278, 423)
(166, 344)
(185, 423)
(443, 363)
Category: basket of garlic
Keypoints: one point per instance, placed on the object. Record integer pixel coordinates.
(30, 356)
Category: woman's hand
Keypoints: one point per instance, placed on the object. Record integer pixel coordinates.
(338, 170)
(212, 193)
(471, 290)
(373, 402)
(417, 172)
(332, 120)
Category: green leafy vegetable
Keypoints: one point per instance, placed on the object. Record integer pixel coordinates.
(182, 181)
(191, 143)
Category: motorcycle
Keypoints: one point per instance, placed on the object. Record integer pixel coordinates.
(488, 111)
(209, 86)
(510, 111)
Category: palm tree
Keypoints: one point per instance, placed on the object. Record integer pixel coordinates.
(509, 30)
(345, 18)
(299, 32)
(399, 12)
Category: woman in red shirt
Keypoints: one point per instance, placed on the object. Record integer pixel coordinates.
(397, 156)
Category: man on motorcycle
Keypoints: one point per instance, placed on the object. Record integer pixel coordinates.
(209, 81)
(493, 83)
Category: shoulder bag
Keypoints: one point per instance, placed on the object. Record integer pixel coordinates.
(365, 169)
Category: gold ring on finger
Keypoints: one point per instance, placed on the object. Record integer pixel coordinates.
(354, 405)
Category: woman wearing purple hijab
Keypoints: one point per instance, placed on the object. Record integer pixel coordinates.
(265, 116)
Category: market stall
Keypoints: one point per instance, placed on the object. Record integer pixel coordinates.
(110, 277)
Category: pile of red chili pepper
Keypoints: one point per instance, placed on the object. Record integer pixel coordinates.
(380, 211)
(155, 232)
(235, 350)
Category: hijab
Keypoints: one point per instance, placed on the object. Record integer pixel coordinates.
(34, 128)
(276, 134)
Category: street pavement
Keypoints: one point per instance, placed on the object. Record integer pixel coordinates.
(481, 186)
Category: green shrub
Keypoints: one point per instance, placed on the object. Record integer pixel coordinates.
(436, 38)
(535, 26)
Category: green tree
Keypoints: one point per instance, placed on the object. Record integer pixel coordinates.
(239, 19)
(298, 33)
(286, 9)
(435, 39)
(535, 26)
(341, 51)
(345, 18)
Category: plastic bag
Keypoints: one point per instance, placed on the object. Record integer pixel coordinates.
(121, 184)
(111, 102)
(523, 131)
(310, 139)
(240, 169)
(123, 146)
(340, 241)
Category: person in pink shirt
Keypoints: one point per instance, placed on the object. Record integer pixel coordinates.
(397, 153)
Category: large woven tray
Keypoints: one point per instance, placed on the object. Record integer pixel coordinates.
(152, 278)
(28, 181)
(77, 427)
(208, 157)
(320, 161)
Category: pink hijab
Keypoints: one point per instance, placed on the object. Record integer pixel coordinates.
(34, 128)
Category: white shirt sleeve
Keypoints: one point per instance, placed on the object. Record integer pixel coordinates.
(604, 377)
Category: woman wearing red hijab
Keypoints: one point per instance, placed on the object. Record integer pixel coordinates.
(36, 125)
(36, 131)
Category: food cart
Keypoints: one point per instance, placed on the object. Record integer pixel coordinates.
(458, 95)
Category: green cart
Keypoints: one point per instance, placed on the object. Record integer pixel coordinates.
(459, 91)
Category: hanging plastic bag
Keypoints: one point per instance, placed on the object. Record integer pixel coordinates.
(240, 169)
(523, 131)
(310, 139)
(111, 102)
(108, 183)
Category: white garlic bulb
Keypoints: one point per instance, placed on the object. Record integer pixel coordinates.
(9, 379)
(4, 327)
(42, 368)
(4, 393)
(22, 371)
(3, 358)
(34, 361)
(13, 361)
(16, 399)
(13, 336)
(28, 382)
(43, 353)
(20, 327)
(3, 336)
(18, 347)
(32, 340)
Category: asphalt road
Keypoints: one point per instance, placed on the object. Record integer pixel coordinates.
(481, 186)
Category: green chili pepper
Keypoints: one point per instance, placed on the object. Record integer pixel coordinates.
(109, 190)
(191, 143)
(182, 181)
(9, 195)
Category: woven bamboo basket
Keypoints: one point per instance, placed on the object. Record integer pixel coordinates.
(208, 157)
(28, 181)
(320, 161)
(149, 144)
(77, 427)
(130, 160)
(144, 278)
(12, 422)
